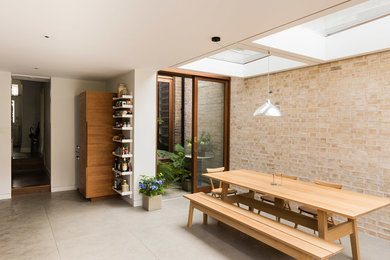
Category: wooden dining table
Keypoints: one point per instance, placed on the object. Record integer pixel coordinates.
(325, 200)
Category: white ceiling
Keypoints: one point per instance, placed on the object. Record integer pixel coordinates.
(99, 39)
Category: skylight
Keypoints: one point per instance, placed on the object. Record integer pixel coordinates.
(350, 17)
(353, 31)
(257, 67)
(239, 56)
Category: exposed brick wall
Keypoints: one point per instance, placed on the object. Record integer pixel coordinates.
(335, 127)
(177, 110)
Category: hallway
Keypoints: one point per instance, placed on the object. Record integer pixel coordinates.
(28, 171)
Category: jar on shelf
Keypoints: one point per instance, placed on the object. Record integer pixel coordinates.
(122, 89)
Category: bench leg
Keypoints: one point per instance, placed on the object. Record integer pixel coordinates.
(279, 203)
(354, 241)
(296, 225)
(204, 218)
(190, 215)
(238, 204)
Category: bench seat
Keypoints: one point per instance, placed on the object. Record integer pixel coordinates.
(293, 242)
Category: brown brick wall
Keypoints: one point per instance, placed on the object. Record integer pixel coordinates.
(335, 127)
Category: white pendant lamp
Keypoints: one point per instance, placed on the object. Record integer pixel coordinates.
(267, 109)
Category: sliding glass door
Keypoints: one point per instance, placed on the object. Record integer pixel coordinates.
(210, 130)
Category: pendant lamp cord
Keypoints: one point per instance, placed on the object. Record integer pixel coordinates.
(268, 73)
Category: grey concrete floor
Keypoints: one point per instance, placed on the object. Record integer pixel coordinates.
(63, 225)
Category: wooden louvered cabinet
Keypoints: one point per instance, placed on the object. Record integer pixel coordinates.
(95, 145)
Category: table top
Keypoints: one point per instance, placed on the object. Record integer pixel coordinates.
(340, 202)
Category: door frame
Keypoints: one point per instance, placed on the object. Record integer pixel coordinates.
(171, 108)
(206, 76)
(226, 135)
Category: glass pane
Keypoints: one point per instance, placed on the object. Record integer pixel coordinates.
(163, 116)
(187, 125)
(239, 56)
(14, 89)
(211, 111)
(13, 111)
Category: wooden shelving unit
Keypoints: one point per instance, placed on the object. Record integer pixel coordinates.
(125, 142)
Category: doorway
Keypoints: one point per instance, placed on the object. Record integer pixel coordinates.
(192, 128)
(30, 135)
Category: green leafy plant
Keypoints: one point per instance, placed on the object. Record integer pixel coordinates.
(160, 121)
(170, 175)
(174, 170)
(151, 186)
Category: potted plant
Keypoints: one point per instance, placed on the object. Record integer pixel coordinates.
(186, 181)
(205, 144)
(151, 189)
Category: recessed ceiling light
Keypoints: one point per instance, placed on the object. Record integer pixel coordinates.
(216, 39)
(47, 36)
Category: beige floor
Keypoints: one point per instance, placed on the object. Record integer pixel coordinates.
(64, 226)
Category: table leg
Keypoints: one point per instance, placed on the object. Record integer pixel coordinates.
(252, 196)
(190, 215)
(354, 240)
(225, 187)
(322, 219)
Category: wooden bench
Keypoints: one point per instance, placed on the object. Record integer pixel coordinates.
(293, 242)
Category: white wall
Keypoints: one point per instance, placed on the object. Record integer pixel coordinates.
(64, 129)
(5, 135)
(144, 128)
(143, 85)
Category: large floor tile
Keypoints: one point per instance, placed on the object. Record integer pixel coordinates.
(113, 244)
(64, 225)
(21, 250)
